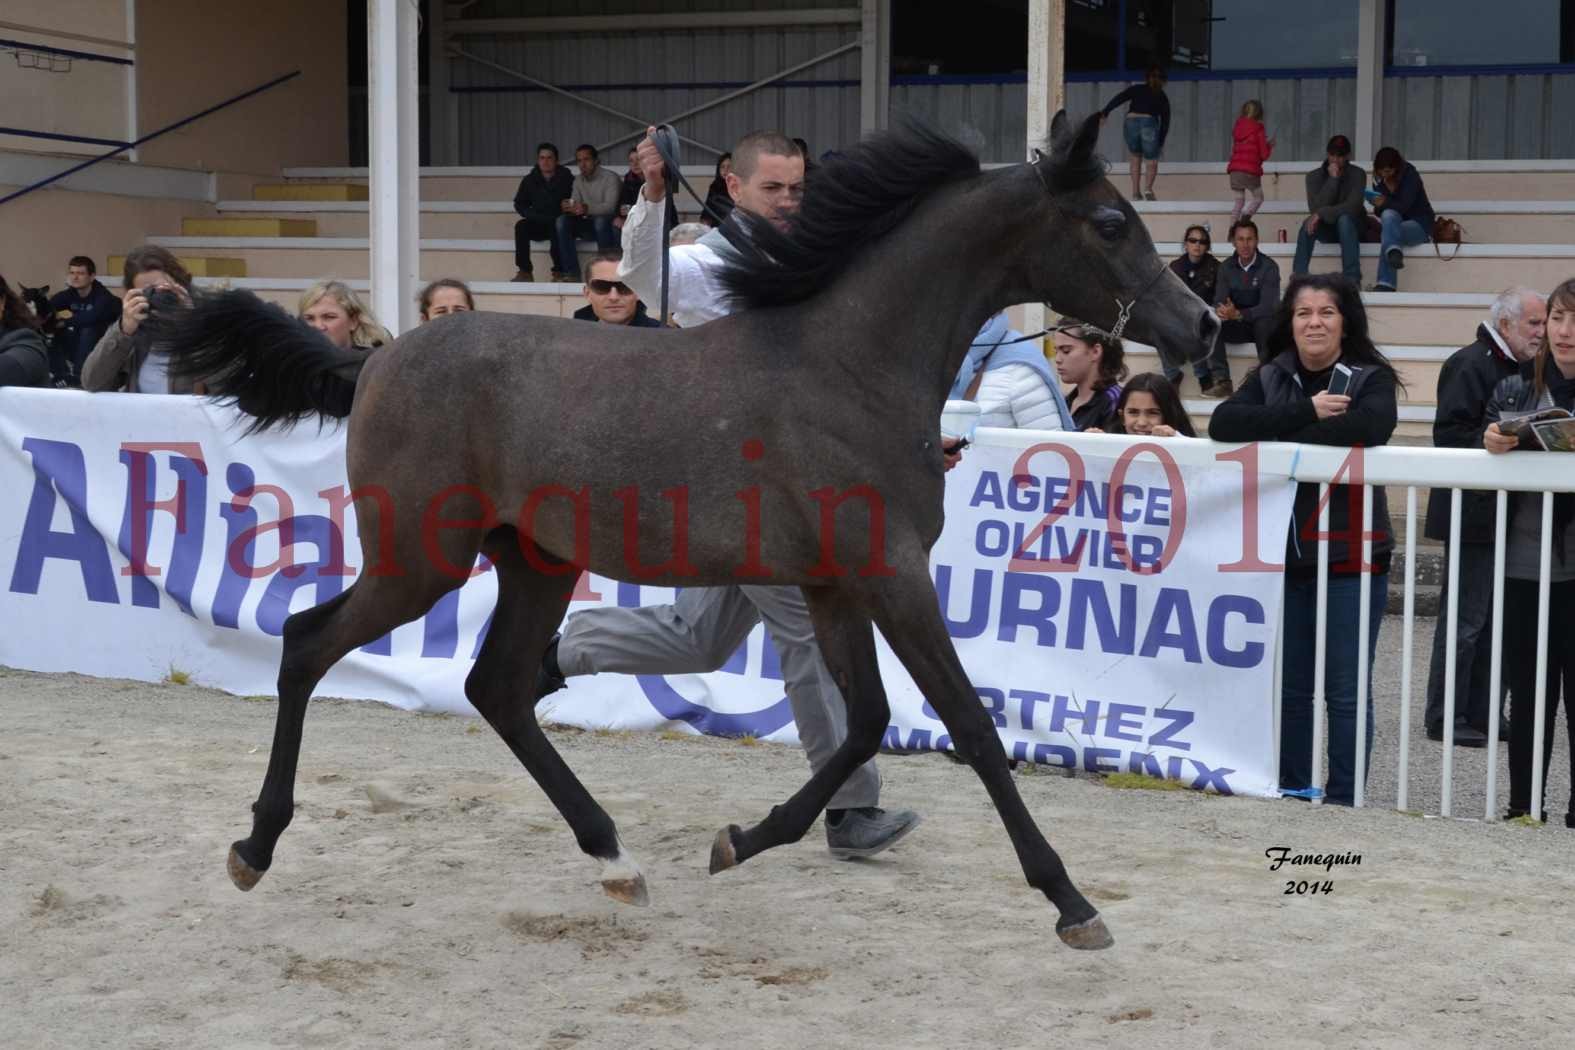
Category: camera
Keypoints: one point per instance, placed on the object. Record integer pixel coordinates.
(163, 301)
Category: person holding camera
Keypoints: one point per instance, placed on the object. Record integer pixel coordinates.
(128, 357)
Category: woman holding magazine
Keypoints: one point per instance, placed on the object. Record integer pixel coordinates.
(1551, 386)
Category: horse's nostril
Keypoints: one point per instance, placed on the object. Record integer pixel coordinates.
(1208, 325)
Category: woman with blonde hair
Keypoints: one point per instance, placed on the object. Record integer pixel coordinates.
(333, 308)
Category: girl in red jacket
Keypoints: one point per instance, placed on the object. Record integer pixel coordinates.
(1251, 148)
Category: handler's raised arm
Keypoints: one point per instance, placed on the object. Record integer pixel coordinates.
(692, 296)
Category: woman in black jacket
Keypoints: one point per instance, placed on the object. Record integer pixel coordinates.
(1321, 323)
(1550, 384)
(1199, 270)
(24, 360)
(718, 201)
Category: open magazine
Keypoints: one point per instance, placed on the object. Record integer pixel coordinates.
(1552, 429)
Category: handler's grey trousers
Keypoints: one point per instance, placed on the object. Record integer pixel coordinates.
(704, 627)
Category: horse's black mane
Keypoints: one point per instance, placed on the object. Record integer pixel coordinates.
(850, 200)
(853, 199)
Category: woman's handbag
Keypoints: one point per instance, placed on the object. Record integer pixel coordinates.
(1447, 231)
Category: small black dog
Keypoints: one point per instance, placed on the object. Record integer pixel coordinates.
(60, 373)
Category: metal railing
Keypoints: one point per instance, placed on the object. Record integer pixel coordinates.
(124, 146)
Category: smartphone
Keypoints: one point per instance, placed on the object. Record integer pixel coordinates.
(1340, 382)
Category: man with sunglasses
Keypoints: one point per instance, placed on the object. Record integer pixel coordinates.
(609, 300)
(705, 626)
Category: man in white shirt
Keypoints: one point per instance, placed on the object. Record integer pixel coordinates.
(704, 627)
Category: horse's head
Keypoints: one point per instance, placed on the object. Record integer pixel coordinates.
(1097, 261)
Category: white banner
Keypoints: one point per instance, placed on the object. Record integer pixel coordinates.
(1107, 603)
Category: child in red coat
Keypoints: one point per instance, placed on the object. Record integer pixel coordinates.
(1251, 148)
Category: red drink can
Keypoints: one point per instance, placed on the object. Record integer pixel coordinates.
(1282, 234)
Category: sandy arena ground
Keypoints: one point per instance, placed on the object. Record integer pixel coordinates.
(457, 912)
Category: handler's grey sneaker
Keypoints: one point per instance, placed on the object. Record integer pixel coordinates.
(868, 830)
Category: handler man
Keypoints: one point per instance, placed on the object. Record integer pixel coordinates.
(707, 624)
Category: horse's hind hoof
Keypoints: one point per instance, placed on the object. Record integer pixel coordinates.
(724, 854)
(241, 873)
(1088, 935)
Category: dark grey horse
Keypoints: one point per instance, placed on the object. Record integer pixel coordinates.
(795, 442)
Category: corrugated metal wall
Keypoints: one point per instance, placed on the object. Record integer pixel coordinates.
(1481, 117)
(503, 127)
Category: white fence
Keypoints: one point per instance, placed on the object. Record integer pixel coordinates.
(1405, 472)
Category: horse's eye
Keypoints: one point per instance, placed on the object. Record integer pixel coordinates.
(1110, 223)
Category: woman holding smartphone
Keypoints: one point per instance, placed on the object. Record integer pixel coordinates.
(1320, 343)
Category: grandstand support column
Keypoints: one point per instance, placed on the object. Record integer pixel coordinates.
(874, 65)
(1046, 93)
(131, 79)
(394, 123)
(1370, 50)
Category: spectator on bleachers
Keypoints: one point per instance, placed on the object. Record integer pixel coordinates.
(1549, 383)
(445, 296)
(1247, 295)
(718, 201)
(1511, 337)
(1401, 204)
(1147, 124)
(1150, 406)
(687, 233)
(589, 212)
(1011, 381)
(124, 361)
(85, 308)
(629, 188)
(1320, 324)
(609, 300)
(333, 308)
(24, 360)
(1199, 270)
(1334, 197)
(1092, 363)
(539, 202)
(1250, 147)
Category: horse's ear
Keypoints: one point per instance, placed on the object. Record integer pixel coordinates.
(1060, 127)
(1087, 138)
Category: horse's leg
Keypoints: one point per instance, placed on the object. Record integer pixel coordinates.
(315, 640)
(501, 687)
(908, 614)
(847, 643)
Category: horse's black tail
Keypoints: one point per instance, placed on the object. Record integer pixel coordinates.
(260, 359)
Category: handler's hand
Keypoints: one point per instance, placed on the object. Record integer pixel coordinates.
(1498, 442)
(651, 166)
(1327, 404)
(951, 452)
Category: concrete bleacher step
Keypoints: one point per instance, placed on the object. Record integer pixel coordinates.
(1504, 222)
(196, 265)
(1418, 365)
(1445, 180)
(249, 227)
(1479, 268)
(310, 191)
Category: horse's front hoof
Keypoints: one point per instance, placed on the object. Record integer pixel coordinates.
(241, 873)
(1088, 935)
(623, 881)
(724, 854)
